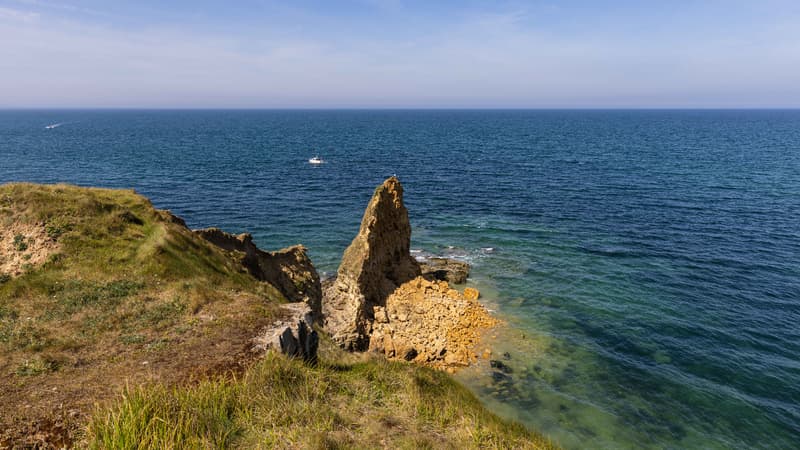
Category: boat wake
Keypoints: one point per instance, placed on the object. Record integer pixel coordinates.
(55, 125)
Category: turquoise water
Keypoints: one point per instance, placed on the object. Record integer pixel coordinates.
(647, 262)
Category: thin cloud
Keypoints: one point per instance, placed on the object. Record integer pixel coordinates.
(17, 15)
(57, 6)
(491, 59)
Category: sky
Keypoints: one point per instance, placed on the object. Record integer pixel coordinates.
(400, 54)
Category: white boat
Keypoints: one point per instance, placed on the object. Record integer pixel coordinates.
(55, 125)
(315, 160)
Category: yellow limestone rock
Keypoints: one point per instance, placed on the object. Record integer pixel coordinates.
(440, 331)
(373, 266)
(471, 294)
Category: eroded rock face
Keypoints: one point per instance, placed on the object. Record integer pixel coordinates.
(291, 334)
(289, 270)
(445, 269)
(373, 266)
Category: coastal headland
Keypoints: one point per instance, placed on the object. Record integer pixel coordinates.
(123, 328)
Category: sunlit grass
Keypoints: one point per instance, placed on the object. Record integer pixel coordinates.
(121, 265)
(286, 404)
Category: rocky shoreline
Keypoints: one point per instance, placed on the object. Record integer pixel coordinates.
(382, 300)
(103, 291)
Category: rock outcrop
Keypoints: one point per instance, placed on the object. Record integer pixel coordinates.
(380, 301)
(445, 269)
(430, 323)
(291, 335)
(289, 270)
(375, 264)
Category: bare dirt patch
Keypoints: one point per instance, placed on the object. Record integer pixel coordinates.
(24, 246)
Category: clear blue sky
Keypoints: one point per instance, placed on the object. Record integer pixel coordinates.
(396, 53)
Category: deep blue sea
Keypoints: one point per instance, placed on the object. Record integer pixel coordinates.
(647, 262)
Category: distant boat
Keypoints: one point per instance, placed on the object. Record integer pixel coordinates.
(315, 160)
(55, 125)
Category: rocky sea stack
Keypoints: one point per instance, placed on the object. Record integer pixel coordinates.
(373, 266)
(380, 300)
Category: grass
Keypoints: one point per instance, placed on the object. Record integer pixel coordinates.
(37, 366)
(283, 403)
(122, 265)
(56, 226)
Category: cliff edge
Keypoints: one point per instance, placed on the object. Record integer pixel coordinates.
(290, 270)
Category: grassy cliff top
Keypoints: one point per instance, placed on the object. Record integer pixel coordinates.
(99, 290)
(119, 326)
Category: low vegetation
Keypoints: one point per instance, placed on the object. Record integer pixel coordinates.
(284, 403)
(119, 328)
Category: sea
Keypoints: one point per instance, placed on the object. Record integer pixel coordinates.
(646, 263)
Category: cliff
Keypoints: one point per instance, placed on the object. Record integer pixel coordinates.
(99, 289)
(107, 301)
(290, 270)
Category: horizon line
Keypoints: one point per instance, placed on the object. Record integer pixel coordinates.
(404, 108)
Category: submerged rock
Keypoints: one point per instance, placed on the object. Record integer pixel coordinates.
(499, 365)
(373, 266)
(500, 377)
(290, 270)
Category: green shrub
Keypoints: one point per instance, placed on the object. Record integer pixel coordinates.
(57, 226)
(37, 366)
(19, 243)
(131, 339)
